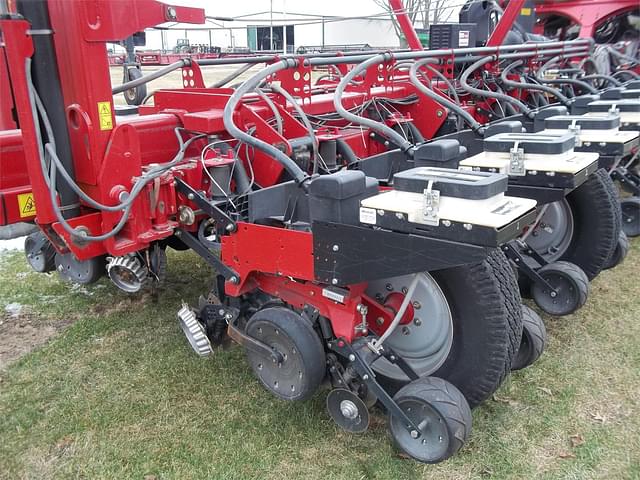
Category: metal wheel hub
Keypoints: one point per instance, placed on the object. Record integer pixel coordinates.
(432, 437)
(425, 340)
(553, 232)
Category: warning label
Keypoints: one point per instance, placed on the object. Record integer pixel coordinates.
(104, 113)
(26, 204)
(463, 38)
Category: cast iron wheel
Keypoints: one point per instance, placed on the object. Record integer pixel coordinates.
(534, 339)
(595, 225)
(571, 288)
(303, 367)
(44, 259)
(441, 414)
(469, 332)
(134, 96)
(631, 216)
(620, 253)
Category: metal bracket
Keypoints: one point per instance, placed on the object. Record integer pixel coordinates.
(516, 257)
(211, 258)
(252, 344)
(360, 358)
(516, 161)
(431, 205)
(575, 129)
(222, 219)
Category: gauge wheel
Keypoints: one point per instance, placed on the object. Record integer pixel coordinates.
(570, 288)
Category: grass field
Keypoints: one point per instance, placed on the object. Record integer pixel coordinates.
(117, 393)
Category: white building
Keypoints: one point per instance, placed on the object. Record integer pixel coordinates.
(249, 24)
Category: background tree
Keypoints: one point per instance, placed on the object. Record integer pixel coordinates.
(421, 12)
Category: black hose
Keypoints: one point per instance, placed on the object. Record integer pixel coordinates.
(531, 86)
(561, 81)
(378, 127)
(248, 86)
(161, 72)
(487, 93)
(343, 148)
(232, 76)
(445, 102)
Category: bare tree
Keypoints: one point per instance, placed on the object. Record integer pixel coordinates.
(421, 13)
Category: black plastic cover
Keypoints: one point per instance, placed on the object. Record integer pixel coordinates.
(623, 105)
(452, 183)
(631, 93)
(580, 104)
(604, 122)
(508, 126)
(339, 185)
(552, 111)
(612, 94)
(439, 153)
(542, 143)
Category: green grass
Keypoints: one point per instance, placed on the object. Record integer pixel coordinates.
(119, 394)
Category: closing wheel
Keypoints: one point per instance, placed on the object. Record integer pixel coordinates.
(440, 412)
(631, 216)
(40, 253)
(303, 364)
(534, 339)
(570, 287)
(460, 327)
(620, 252)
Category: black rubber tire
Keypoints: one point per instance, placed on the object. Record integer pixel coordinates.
(44, 260)
(508, 282)
(579, 284)
(308, 346)
(481, 328)
(134, 96)
(620, 252)
(534, 339)
(615, 198)
(631, 216)
(595, 227)
(450, 405)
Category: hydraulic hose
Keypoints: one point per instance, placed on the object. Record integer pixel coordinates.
(273, 108)
(631, 73)
(560, 81)
(378, 127)
(599, 76)
(232, 76)
(445, 102)
(305, 120)
(161, 72)
(531, 86)
(489, 94)
(248, 86)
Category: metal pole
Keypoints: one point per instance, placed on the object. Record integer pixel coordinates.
(271, 25)
(323, 33)
(284, 29)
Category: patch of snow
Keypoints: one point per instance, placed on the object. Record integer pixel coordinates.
(13, 309)
(13, 244)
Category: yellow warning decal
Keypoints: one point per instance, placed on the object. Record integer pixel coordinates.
(104, 113)
(26, 204)
(526, 12)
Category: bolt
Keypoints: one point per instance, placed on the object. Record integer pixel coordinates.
(553, 294)
(405, 290)
(392, 358)
(335, 248)
(334, 281)
(235, 280)
(414, 434)
(406, 331)
(191, 196)
(230, 227)
(417, 322)
(446, 223)
(417, 305)
(389, 287)
(467, 226)
(439, 113)
(379, 320)
(221, 311)
(352, 357)
(365, 377)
